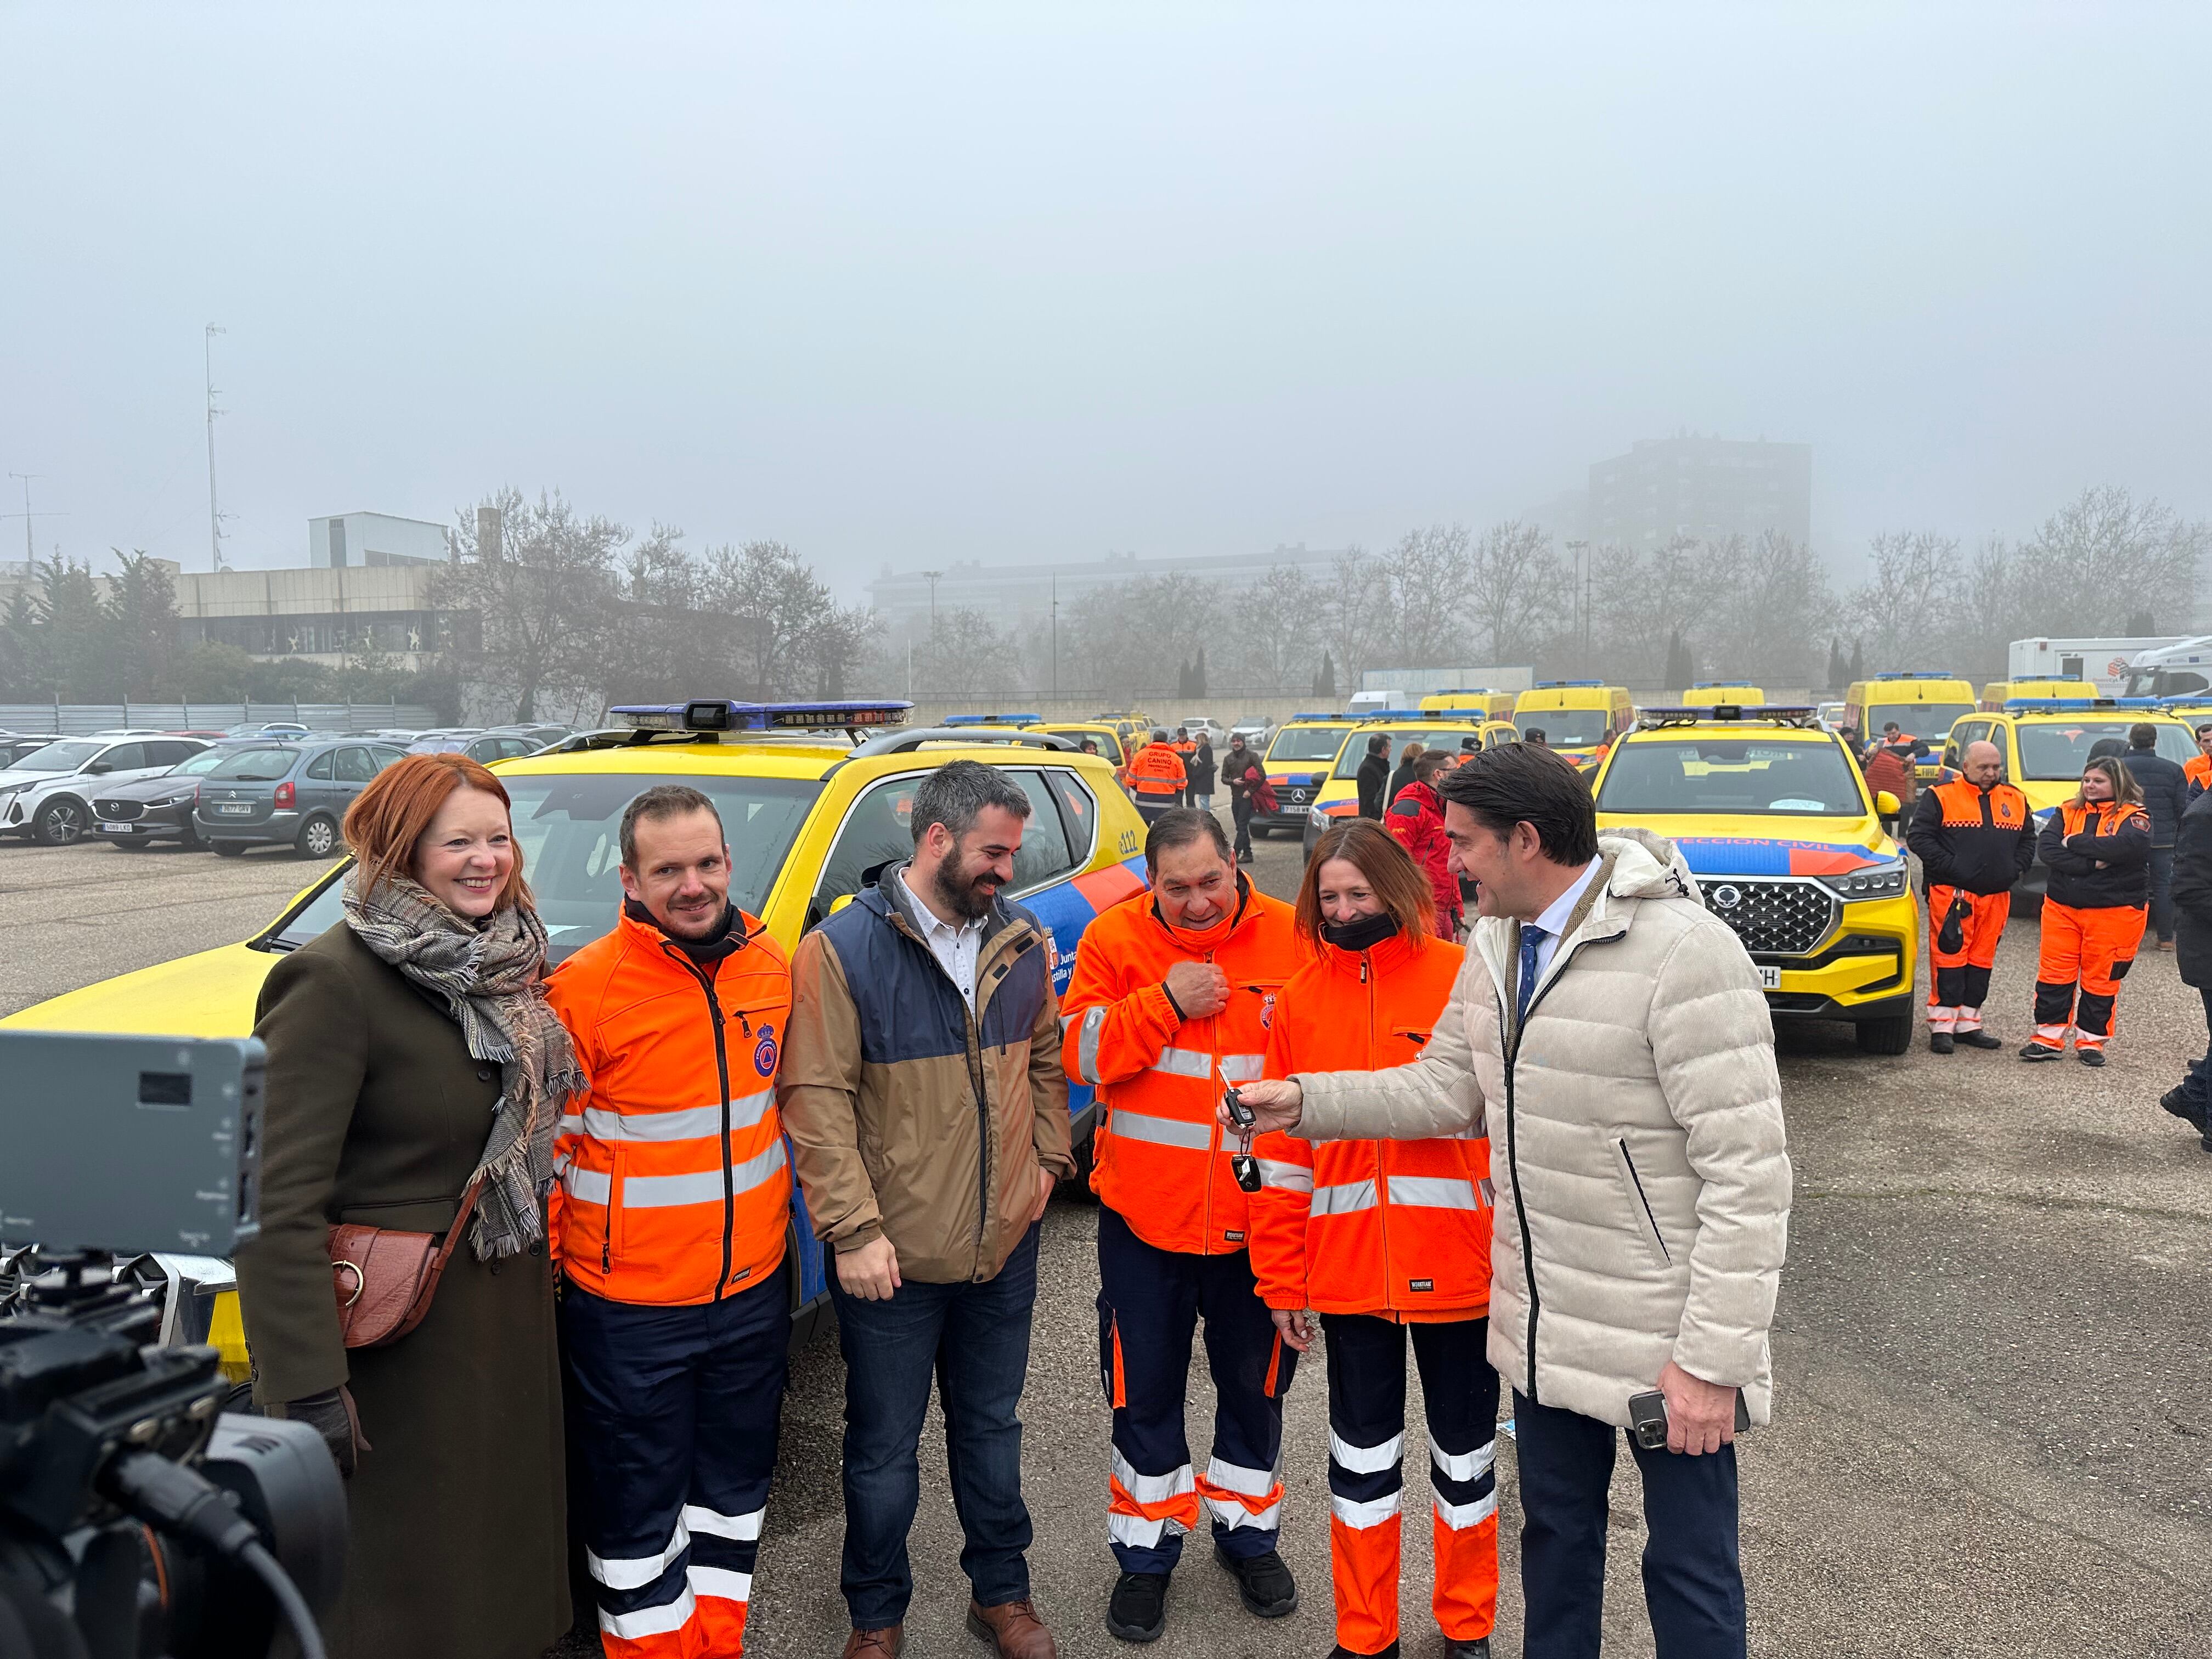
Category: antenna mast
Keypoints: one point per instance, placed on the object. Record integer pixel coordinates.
(214, 514)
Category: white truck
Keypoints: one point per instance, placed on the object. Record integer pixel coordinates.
(2177, 668)
(2104, 661)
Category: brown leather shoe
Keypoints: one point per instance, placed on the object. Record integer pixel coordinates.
(884, 1643)
(1014, 1631)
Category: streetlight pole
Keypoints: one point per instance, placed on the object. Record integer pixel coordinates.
(215, 514)
(932, 577)
(1056, 635)
(1577, 614)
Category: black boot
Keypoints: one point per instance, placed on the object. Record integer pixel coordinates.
(1264, 1584)
(2090, 1056)
(1138, 1611)
(1478, 1649)
(2178, 1101)
(2037, 1051)
(1341, 1651)
(1978, 1038)
(1939, 1042)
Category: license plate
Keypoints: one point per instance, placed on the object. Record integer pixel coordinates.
(115, 829)
(234, 808)
(1770, 979)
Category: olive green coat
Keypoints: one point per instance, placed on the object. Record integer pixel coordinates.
(377, 1113)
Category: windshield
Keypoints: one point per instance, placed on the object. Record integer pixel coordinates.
(568, 829)
(1928, 721)
(1565, 728)
(1735, 775)
(206, 761)
(1294, 744)
(254, 765)
(2054, 753)
(57, 757)
(1443, 737)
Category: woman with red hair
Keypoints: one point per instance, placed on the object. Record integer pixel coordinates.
(1385, 1239)
(416, 1077)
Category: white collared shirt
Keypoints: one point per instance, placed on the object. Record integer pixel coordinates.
(1554, 919)
(955, 949)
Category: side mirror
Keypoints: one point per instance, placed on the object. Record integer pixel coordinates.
(841, 902)
(1886, 803)
(94, 769)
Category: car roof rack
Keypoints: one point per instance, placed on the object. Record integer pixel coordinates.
(992, 720)
(1422, 716)
(906, 742)
(1801, 715)
(1567, 685)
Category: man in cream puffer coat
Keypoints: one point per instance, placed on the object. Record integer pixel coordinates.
(1643, 1188)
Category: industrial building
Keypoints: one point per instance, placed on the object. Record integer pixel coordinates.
(1004, 591)
(1703, 488)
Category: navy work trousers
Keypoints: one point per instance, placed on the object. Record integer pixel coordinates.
(1692, 1585)
(1150, 1302)
(973, 1338)
(674, 1415)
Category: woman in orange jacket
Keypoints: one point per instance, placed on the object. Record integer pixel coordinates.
(2097, 849)
(1380, 1235)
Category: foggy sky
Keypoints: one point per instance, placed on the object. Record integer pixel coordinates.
(903, 285)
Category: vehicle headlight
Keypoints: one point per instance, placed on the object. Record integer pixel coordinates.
(1878, 881)
(1319, 819)
(184, 799)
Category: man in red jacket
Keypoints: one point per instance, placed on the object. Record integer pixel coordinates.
(1417, 819)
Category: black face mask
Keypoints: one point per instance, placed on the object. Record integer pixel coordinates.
(1364, 934)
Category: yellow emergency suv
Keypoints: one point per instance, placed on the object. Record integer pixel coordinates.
(1771, 813)
(1710, 694)
(1298, 760)
(1338, 796)
(1492, 705)
(2046, 741)
(1997, 693)
(1578, 718)
(1107, 736)
(1922, 702)
(812, 816)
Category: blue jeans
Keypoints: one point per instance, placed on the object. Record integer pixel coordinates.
(2161, 892)
(1692, 1585)
(975, 1339)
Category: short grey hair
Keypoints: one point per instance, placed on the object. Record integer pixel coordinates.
(662, 801)
(957, 792)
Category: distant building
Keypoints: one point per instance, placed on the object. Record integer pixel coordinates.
(369, 539)
(1004, 591)
(1706, 488)
(321, 615)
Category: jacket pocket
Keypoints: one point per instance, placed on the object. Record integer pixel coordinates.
(1639, 1202)
(617, 1177)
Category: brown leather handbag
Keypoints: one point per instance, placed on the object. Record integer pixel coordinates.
(384, 1279)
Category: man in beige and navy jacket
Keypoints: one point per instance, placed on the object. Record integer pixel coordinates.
(1614, 1036)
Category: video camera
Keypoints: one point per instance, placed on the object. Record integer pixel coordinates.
(139, 1519)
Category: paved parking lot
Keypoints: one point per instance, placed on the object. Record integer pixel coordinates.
(1991, 1434)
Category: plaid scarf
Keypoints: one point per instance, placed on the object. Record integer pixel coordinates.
(490, 974)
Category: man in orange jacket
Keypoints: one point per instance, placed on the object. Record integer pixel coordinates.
(1386, 1240)
(1158, 777)
(673, 1206)
(2198, 768)
(1975, 838)
(1171, 998)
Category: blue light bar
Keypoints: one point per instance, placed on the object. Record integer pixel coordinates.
(1727, 711)
(721, 715)
(1714, 685)
(1567, 685)
(1295, 718)
(994, 719)
(1423, 715)
(1918, 674)
(2032, 704)
(1462, 691)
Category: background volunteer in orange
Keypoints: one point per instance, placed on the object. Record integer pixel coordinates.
(1975, 838)
(1382, 1237)
(1157, 778)
(2097, 848)
(1173, 993)
(675, 1201)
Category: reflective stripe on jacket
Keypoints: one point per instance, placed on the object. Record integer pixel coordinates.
(674, 1184)
(1157, 769)
(1982, 840)
(1158, 1156)
(1394, 1228)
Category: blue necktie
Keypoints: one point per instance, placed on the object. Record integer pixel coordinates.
(1531, 937)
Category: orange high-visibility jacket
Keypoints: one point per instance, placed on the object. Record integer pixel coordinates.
(1396, 1227)
(1157, 1152)
(2198, 768)
(674, 1184)
(1157, 771)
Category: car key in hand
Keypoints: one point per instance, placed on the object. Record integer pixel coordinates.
(1242, 1164)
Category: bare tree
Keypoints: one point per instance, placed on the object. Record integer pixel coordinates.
(1275, 638)
(1433, 574)
(541, 602)
(1907, 611)
(1514, 586)
(1359, 618)
(2103, 556)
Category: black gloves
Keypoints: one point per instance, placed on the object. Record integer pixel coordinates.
(330, 1414)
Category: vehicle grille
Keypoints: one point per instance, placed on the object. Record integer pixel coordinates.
(118, 811)
(1772, 918)
(1297, 797)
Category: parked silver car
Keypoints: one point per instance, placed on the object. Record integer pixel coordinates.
(47, 794)
(292, 795)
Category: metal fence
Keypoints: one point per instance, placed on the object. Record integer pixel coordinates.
(79, 718)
